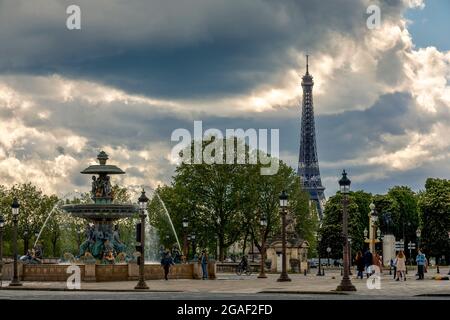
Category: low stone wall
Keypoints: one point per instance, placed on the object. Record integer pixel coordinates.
(104, 273)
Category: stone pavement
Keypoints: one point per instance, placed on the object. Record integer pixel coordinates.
(233, 284)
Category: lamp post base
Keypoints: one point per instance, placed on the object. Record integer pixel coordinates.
(346, 285)
(319, 274)
(262, 276)
(284, 278)
(15, 283)
(141, 285)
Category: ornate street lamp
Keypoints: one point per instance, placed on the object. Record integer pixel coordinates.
(2, 225)
(319, 241)
(373, 218)
(185, 227)
(15, 214)
(143, 200)
(283, 205)
(328, 255)
(418, 234)
(263, 224)
(194, 251)
(346, 283)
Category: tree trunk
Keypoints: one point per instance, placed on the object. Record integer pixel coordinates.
(54, 243)
(245, 243)
(221, 249)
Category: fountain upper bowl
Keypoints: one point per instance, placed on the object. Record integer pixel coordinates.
(101, 211)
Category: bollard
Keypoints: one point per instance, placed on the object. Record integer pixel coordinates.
(304, 272)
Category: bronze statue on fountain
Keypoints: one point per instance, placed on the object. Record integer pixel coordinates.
(102, 238)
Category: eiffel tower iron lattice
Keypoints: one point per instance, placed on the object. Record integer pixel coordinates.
(308, 162)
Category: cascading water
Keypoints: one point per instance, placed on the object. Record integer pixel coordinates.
(152, 242)
(56, 206)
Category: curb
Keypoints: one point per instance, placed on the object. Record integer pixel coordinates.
(332, 292)
(87, 290)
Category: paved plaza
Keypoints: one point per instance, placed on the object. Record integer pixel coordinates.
(229, 286)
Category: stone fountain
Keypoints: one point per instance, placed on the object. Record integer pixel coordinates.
(102, 237)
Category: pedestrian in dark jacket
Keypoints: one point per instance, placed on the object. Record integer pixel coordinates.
(368, 262)
(204, 262)
(360, 264)
(166, 262)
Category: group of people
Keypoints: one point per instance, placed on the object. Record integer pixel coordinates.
(167, 261)
(368, 262)
(33, 256)
(399, 266)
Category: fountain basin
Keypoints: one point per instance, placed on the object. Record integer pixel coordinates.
(105, 273)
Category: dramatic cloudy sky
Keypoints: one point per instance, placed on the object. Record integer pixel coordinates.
(139, 69)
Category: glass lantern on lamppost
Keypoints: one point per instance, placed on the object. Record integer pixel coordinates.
(263, 224)
(143, 200)
(344, 184)
(283, 206)
(15, 214)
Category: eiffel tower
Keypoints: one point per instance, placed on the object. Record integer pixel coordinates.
(308, 162)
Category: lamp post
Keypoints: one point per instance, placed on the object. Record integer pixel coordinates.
(263, 224)
(448, 232)
(2, 224)
(283, 205)
(328, 255)
(373, 218)
(350, 255)
(15, 213)
(185, 226)
(142, 208)
(187, 251)
(319, 241)
(25, 242)
(418, 234)
(346, 283)
(193, 245)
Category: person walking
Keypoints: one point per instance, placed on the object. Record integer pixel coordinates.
(401, 266)
(368, 262)
(394, 266)
(359, 264)
(377, 261)
(421, 263)
(166, 262)
(204, 262)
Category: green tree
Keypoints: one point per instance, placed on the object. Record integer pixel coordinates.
(226, 201)
(331, 230)
(434, 204)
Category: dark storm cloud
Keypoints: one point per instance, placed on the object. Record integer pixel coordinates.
(174, 48)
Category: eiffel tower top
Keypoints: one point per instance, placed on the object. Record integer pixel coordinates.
(307, 79)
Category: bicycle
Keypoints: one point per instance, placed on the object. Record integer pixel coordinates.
(240, 270)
